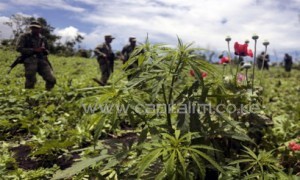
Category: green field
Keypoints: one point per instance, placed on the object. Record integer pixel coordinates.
(46, 135)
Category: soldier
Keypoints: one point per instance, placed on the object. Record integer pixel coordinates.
(263, 61)
(125, 55)
(266, 63)
(105, 58)
(260, 59)
(34, 49)
(288, 62)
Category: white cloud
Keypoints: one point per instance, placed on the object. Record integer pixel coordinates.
(89, 2)
(48, 4)
(206, 23)
(68, 33)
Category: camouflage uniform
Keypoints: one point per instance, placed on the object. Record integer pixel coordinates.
(288, 62)
(105, 58)
(263, 61)
(126, 52)
(260, 59)
(35, 62)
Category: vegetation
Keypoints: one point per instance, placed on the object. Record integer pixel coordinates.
(147, 128)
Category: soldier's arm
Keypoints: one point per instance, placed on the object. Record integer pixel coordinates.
(123, 52)
(21, 46)
(98, 51)
(45, 45)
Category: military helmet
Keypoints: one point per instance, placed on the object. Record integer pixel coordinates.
(132, 39)
(109, 37)
(35, 24)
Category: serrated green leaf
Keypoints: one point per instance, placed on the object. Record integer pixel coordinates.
(170, 164)
(78, 167)
(209, 159)
(147, 160)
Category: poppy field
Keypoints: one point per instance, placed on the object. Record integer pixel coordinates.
(180, 117)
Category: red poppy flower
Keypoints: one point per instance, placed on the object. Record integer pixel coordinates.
(250, 53)
(192, 73)
(224, 60)
(240, 49)
(291, 144)
(294, 146)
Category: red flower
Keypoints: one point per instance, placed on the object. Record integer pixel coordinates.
(294, 146)
(242, 50)
(224, 60)
(291, 144)
(250, 53)
(192, 73)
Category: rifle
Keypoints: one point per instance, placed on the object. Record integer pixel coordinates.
(46, 58)
(19, 60)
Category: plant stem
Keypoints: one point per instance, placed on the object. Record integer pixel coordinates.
(174, 76)
(229, 53)
(224, 66)
(169, 122)
(247, 77)
(254, 64)
(237, 69)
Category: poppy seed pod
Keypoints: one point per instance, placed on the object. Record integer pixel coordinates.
(246, 65)
(228, 38)
(266, 43)
(247, 41)
(255, 37)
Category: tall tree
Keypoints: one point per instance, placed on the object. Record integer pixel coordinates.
(18, 23)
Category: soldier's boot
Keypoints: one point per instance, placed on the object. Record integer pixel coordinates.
(98, 81)
(50, 84)
(103, 80)
(50, 81)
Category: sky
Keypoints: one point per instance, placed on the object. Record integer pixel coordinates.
(206, 23)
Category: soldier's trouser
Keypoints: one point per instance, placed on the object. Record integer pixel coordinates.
(259, 64)
(32, 66)
(132, 75)
(111, 65)
(105, 71)
(288, 68)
